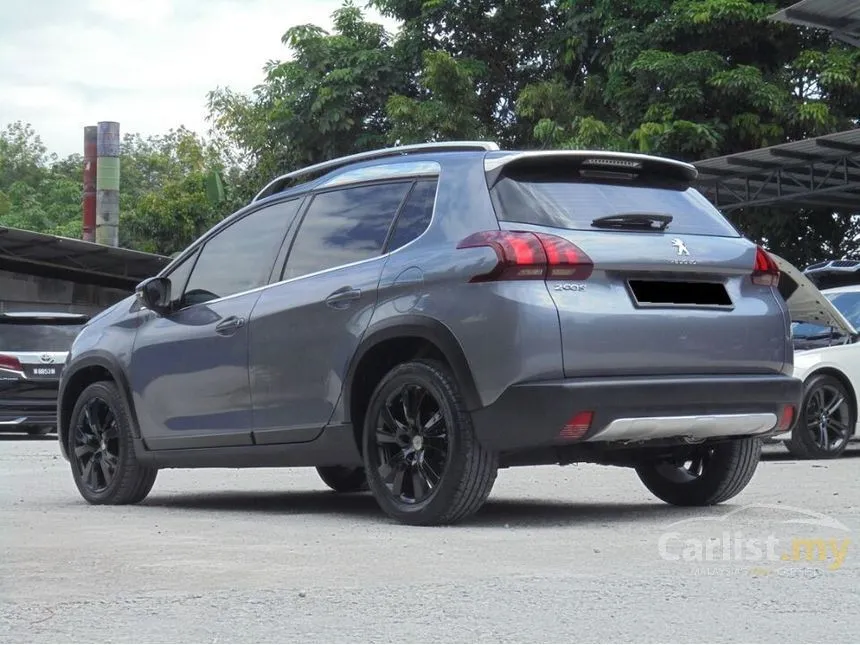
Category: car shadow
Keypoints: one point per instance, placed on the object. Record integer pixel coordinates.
(496, 513)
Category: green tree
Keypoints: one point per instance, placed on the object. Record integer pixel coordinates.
(495, 48)
(164, 205)
(33, 194)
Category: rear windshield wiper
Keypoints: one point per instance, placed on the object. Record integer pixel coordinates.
(646, 221)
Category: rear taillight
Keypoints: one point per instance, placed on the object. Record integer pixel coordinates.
(577, 426)
(10, 363)
(786, 418)
(531, 256)
(766, 271)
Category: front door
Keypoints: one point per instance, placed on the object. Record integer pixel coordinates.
(190, 375)
(189, 368)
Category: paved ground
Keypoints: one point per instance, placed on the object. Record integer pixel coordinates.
(558, 554)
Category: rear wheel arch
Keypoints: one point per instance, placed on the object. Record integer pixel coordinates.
(398, 341)
(86, 372)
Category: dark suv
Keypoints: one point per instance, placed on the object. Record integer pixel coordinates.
(410, 320)
(33, 349)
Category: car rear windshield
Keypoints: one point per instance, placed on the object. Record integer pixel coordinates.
(37, 337)
(546, 199)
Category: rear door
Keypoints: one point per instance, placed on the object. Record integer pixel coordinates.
(305, 329)
(677, 300)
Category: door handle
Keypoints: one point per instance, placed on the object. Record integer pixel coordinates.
(343, 297)
(229, 325)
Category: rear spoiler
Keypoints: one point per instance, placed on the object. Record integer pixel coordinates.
(596, 163)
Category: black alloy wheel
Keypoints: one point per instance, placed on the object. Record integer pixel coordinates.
(826, 421)
(412, 443)
(96, 445)
(101, 449)
(689, 469)
(705, 475)
(423, 462)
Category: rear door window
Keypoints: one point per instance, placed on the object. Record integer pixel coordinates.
(547, 198)
(344, 226)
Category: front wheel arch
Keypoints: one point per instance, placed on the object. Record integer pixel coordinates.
(85, 372)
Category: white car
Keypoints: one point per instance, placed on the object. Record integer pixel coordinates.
(827, 359)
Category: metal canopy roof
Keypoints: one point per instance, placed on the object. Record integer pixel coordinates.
(819, 172)
(76, 260)
(841, 17)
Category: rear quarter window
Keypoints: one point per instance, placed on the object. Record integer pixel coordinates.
(546, 199)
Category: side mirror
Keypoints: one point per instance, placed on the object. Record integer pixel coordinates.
(154, 294)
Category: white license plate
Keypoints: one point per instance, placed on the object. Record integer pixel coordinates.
(44, 371)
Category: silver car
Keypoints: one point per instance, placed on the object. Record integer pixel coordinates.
(411, 320)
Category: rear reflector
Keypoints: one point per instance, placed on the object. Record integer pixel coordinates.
(766, 271)
(786, 418)
(10, 363)
(530, 256)
(578, 425)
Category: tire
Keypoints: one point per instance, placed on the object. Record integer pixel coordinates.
(807, 440)
(450, 473)
(101, 450)
(716, 474)
(343, 479)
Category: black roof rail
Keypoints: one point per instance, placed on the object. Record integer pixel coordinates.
(276, 185)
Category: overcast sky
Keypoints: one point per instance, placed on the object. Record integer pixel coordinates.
(147, 64)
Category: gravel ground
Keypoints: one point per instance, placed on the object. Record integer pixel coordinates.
(557, 555)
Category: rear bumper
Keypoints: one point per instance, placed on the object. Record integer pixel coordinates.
(532, 415)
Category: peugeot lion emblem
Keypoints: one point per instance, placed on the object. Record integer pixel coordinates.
(46, 358)
(680, 246)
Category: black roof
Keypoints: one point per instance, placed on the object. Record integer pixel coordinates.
(76, 260)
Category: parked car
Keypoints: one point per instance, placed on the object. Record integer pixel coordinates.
(411, 320)
(827, 356)
(33, 349)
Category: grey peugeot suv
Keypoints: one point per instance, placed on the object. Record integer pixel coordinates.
(410, 320)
